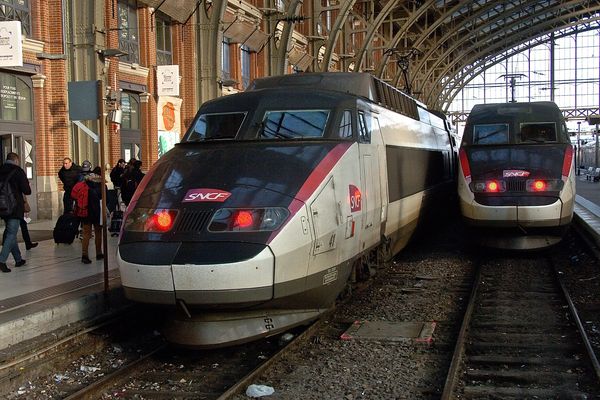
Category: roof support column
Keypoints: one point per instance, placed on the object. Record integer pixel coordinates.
(210, 36)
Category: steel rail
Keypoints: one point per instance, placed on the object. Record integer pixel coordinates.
(238, 386)
(580, 328)
(454, 369)
(50, 348)
(94, 389)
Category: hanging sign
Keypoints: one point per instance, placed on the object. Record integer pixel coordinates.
(11, 47)
(167, 78)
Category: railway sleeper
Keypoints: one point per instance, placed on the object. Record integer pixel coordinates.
(525, 338)
(525, 361)
(519, 376)
(521, 393)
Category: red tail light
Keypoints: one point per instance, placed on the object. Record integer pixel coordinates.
(539, 186)
(161, 221)
(567, 162)
(492, 186)
(243, 219)
(464, 163)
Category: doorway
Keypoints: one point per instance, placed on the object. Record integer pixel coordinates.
(22, 144)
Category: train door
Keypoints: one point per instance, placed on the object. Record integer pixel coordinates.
(22, 144)
(369, 141)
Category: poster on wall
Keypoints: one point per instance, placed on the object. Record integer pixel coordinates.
(169, 123)
(11, 48)
(167, 79)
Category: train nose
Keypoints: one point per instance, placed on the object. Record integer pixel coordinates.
(244, 281)
(197, 273)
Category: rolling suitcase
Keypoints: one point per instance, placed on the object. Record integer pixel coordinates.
(66, 229)
(116, 219)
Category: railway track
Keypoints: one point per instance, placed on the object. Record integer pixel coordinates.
(169, 373)
(521, 337)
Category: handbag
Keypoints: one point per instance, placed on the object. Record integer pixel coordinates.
(26, 206)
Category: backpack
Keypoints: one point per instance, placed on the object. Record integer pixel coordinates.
(80, 195)
(8, 199)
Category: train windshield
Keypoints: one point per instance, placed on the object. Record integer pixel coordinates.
(294, 124)
(538, 132)
(216, 126)
(490, 134)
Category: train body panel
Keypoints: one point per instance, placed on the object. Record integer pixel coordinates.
(516, 171)
(257, 220)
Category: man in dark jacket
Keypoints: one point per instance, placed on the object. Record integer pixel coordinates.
(116, 174)
(131, 179)
(20, 186)
(69, 176)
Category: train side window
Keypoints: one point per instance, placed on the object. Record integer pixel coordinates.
(538, 132)
(294, 124)
(364, 125)
(216, 126)
(490, 134)
(345, 130)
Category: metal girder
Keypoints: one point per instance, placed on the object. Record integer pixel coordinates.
(521, 37)
(435, 47)
(484, 64)
(454, 34)
(373, 28)
(433, 74)
(422, 38)
(344, 12)
(478, 51)
(210, 56)
(279, 54)
(445, 100)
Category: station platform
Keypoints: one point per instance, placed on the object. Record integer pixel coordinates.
(55, 289)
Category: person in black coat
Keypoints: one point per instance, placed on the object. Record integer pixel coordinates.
(116, 174)
(131, 179)
(20, 186)
(69, 176)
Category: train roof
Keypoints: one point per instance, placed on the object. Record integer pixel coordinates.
(548, 109)
(360, 84)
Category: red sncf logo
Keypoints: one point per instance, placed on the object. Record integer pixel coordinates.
(355, 198)
(515, 173)
(215, 195)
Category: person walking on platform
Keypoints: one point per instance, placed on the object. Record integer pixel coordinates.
(88, 195)
(24, 229)
(13, 186)
(69, 175)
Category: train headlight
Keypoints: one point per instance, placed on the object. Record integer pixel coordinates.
(544, 185)
(491, 186)
(248, 219)
(150, 220)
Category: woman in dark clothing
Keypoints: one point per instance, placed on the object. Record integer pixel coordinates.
(69, 176)
(93, 218)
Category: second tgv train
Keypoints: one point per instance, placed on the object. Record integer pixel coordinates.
(517, 180)
(255, 222)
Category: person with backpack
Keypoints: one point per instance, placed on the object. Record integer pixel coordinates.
(13, 186)
(68, 175)
(87, 194)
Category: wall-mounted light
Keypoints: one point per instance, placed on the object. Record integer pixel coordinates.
(227, 82)
(105, 53)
